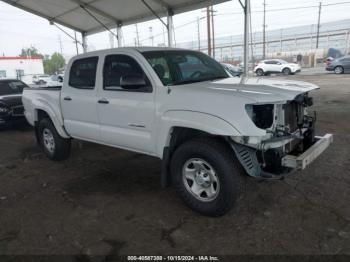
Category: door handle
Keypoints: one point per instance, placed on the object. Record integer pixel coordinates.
(103, 101)
(67, 98)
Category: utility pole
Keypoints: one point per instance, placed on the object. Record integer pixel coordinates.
(60, 41)
(76, 42)
(318, 24)
(209, 31)
(213, 29)
(137, 35)
(264, 31)
(199, 33)
(151, 35)
(111, 40)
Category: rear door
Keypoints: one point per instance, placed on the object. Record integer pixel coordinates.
(126, 115)
(78, 100)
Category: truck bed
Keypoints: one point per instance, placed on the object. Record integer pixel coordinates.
(44, 97)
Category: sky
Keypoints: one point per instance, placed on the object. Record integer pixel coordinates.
(19, 29)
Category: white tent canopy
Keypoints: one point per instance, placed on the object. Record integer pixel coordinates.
(76, 14)
(94, 16)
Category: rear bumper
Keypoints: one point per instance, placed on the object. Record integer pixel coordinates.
(329, 68)
(300, 162)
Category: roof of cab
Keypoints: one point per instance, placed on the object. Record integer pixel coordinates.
(138, 49)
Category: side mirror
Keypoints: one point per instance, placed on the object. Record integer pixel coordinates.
(132, 82)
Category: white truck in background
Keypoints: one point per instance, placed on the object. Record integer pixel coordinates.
(181, 106)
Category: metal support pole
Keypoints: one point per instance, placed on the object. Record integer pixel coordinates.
(264, 31)
(318, 24)
(209, 31)
(347, 43)
(170, 27)
(199, 33)
(213, 30)
(83, 36)
(119, 35)
(281, 41)
(246, 37)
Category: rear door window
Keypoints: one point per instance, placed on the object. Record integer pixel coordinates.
(83, 73)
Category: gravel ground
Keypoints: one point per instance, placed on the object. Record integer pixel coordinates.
(106, 201)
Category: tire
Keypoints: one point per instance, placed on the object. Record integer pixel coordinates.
(259, 72)
(54, 146)
(339, 70)
(287, 71)
(215, 156)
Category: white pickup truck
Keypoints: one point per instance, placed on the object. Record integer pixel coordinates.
(181, 106)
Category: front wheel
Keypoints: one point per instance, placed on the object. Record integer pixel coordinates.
(259, 72)
(206, 176)
(55, 147)
(339, 70)
(286, 71)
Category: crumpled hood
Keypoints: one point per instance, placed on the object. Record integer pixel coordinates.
(257, 90)
(226, 99)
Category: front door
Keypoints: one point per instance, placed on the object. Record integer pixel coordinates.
(126, 113)
(78, 100)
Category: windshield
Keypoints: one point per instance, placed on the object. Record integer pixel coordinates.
(184, 67)
(11, 87)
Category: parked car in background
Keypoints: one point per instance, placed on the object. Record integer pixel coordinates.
(48, 80)
(339, 65)
(232, 69)
(57, 78)
(279, 66)
(11, 107)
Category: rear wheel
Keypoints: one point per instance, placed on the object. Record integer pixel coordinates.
(55, 147)
(206, 176)
(286, 71)
(339, 70)
(259, 72)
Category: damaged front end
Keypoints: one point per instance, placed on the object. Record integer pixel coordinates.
(290, 143)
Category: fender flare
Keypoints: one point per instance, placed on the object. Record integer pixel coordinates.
(191, 119)
(57, 122)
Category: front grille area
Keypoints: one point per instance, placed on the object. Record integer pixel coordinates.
(17, 111)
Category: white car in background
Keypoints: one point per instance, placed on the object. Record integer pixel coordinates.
(266, 67)
(48, 80)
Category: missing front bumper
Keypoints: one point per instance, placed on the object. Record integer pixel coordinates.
(300, 162)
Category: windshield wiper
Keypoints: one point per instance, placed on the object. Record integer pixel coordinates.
(190, 81)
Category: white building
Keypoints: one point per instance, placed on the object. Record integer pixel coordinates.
(21, 67)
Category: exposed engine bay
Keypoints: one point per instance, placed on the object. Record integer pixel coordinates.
(290, 130)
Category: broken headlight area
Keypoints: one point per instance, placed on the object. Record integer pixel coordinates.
(261, 115)
(289, 131)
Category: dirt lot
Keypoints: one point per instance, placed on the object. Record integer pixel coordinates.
(107, 201)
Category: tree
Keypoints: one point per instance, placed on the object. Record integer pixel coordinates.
(30, 51)
(53, 64)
